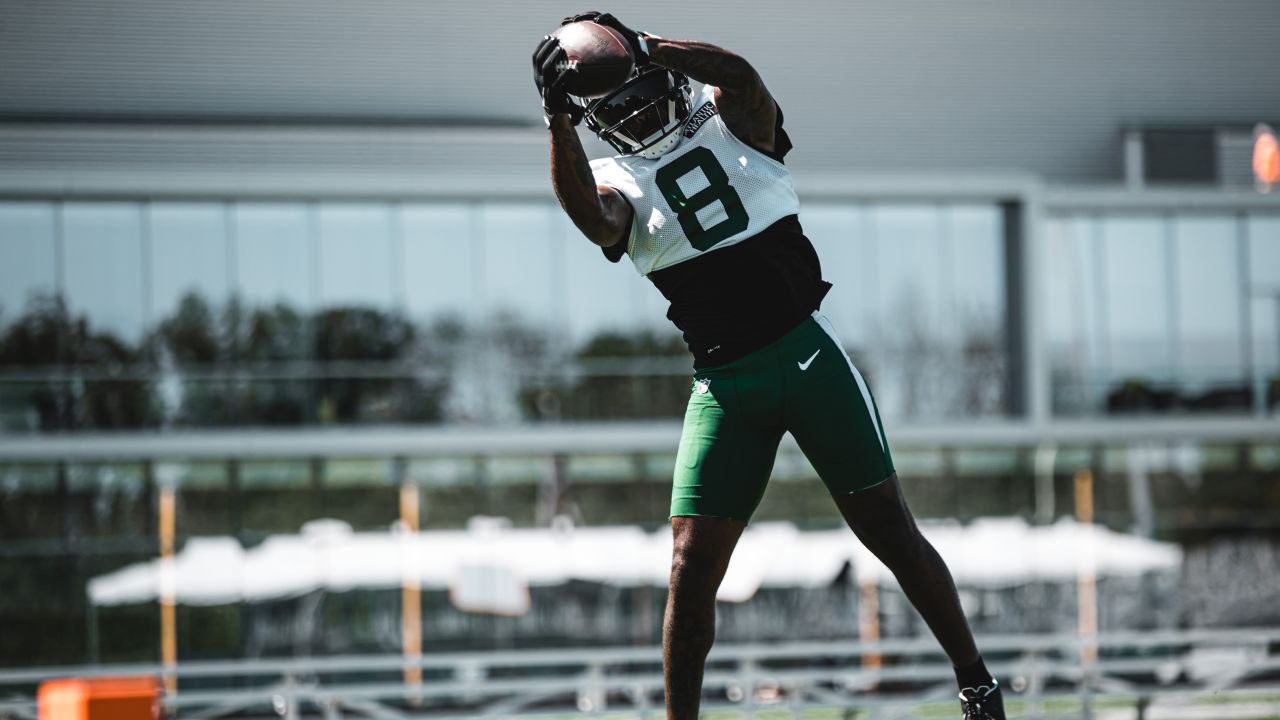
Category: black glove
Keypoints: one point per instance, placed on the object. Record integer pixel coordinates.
(639, 49)
(550, 65)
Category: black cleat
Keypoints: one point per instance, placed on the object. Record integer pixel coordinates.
(983, 702)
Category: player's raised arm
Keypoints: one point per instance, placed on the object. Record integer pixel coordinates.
(744, 102)
(600, 212)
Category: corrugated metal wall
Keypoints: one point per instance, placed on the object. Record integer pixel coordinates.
(872, 86)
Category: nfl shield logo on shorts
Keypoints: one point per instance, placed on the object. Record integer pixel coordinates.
(703, 385)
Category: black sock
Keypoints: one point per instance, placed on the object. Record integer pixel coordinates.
(973, 675)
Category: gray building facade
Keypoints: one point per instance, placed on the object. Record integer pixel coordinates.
(305, 256)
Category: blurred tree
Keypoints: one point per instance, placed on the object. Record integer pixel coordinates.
(190, 336)
(189, 350)
(101, 384)
(348, 340)
(33, 342)
(118, 395)
(941, 372)
(628, 376)
(984, 386)
(262, 339)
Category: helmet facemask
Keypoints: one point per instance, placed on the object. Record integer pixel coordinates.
(644, 116)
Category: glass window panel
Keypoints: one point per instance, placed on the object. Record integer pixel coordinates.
(919, 463)
(1073, 293)
(516, 470)
(360, 493)
(600, 294)
(365, 472)
(277, 496)
(1136, 290)
(188, 255)
(27, 249)
(204, 498)
(985, 462)
(601, 468)
(1264, 308)
(522, 262)
(442, 471)
(1264, 253)
(905, 371)
(106, 500)
(1070, 267)
(650, 306)
(355, 256)
(977, 265)
(103, 246)
(659, 466)
(1208, 287)
(848, 257)
(273, 255)
(31, 505)
(1070, 459)
(439, 261)
(973, 311)
(911, 271)
(1265, 458)
(1265, 339)
(275, 474)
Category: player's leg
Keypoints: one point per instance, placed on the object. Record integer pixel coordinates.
(700, 556)
(727, 449)
(833, 417)
(879, 516)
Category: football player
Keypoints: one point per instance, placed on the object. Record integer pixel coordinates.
(700, 200)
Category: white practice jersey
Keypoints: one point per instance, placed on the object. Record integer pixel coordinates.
(710, 192)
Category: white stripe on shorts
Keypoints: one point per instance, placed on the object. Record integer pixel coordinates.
(862, 384)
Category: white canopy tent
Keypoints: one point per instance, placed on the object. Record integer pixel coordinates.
(488, 564)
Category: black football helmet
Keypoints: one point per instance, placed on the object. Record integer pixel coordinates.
(644, 115)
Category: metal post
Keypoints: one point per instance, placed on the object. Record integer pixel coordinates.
(166, 477)
(551, 489)
(1045, 457)
(1252, 373)
(1033, 336)
(1017, 348)
(869, 621)
(410, 582)
(1134, 160)
(91, 628)
(1144, 520)
(1086, 588)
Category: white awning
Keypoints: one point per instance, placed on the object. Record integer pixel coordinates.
(327, 555)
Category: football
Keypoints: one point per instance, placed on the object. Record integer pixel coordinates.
(599, 58)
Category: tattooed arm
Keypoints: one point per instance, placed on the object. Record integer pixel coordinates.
(599, 211)
(743, 100)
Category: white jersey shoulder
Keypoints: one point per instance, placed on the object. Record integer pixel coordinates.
(711, 192)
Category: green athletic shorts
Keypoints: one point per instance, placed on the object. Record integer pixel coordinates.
(803, 383)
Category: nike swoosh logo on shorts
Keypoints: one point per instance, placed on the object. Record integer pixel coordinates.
(805, 365)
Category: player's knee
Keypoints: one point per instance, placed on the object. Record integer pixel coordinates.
(688, 560)
(694, 564)
(894, 542)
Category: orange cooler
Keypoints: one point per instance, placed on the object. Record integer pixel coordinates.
(125, 698)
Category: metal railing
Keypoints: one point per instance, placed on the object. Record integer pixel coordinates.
(588, 437)
(1185, 674)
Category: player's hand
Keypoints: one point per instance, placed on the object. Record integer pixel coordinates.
(550, 65)
(639, 49)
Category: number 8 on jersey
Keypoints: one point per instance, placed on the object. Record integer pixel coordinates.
(710, 192)
(718, 189)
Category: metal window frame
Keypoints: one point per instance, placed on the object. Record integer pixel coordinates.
(1034, 201)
